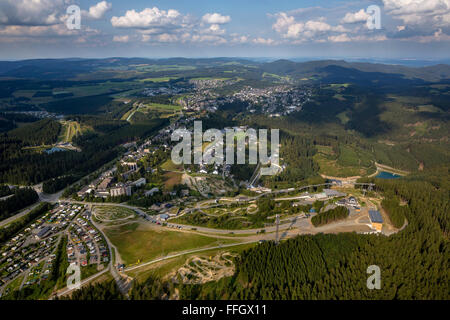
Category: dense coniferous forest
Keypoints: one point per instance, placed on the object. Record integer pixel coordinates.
(15, 226)
(56, 184)
(22, 198)
(107, 290)
(41, 132)
(19, 166)
(395, 211)
(414, 262)
(335, 214)
(5, 191)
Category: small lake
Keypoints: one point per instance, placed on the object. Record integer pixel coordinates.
(54, 149)
(387, 175)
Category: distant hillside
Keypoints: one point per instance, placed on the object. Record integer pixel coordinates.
(323, 70)
(335, 68)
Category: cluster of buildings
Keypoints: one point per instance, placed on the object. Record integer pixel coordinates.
(33, 248)
(211, 83)
(275, 101)
(348, 202)
(163, 90)
(86, 245)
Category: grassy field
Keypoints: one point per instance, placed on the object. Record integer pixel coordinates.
(69, 130)
(158, 80)
(141, 242)
(15, 284)
(350, 162)
(170, 166)
(162, 107)
(163, 268)
(111, 213)
(171, 179)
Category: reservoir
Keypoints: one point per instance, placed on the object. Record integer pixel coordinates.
(387, 175)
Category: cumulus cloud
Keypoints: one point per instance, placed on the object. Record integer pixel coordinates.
(264, 41)
(215, 18)
(355, 17)
(57, 30)
(435, 13)
(208, 38)
(31, 12)
(339, 38)
(290, 28)
(420, 19)
(148, 18)
(98, 11)
(122, 39)
(158, 25)
(239, 39)
(213, 29)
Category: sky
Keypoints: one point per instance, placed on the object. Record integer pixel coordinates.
(404, 29)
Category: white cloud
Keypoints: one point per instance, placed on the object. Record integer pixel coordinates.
(215, 18)
(289, 28)
(239, 39)
(213, 39)
(57, 30)
(166, 37)
(420, 12)
(98, 11)
(122, 39)
(264, 41)
(148, 18)
(355, 17)
(213, 29)
(421, 20)
(157, 25)
(31, 12)
(339, 38)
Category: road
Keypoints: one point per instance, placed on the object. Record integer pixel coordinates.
(300, 223)
(83, 282)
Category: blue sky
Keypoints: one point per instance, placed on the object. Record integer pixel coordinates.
(411, 29)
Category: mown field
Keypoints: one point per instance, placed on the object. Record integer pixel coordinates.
(138, 242)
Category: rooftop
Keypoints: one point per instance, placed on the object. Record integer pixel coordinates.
(375, 216)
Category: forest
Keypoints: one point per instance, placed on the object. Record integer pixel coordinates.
(22, 197)
(14, 227)
(414, 262)
(21, 166)
(332, 215)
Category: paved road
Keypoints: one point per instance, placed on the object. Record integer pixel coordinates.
(52, 198)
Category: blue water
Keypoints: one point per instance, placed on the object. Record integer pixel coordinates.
(387, 175)
(54, 149)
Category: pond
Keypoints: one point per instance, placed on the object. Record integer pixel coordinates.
(387, 175)
(54, 149)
